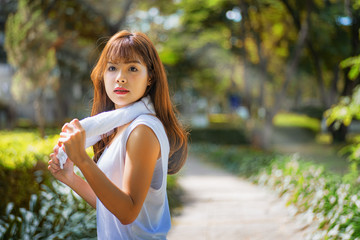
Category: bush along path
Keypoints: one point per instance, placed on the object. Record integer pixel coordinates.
(219, 205)
(33, 204)
(326, 201)
(326, 205)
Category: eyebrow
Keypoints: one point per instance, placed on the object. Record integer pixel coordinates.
(127, 62)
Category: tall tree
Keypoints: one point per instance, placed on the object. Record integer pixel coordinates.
(30, 49)
(281, 48)
(84, 25)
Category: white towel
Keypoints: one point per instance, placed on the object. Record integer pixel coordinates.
(105, 122)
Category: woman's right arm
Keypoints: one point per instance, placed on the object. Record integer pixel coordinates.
(68, 177)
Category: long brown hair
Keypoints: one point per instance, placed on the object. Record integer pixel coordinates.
(126, 46)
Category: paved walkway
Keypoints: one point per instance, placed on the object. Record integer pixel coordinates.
(219, 205)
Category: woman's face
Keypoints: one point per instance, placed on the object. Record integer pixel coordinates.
(125, 81)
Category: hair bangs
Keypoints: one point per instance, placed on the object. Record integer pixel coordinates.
(122, 50)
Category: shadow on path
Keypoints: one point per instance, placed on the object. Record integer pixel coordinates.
(219, 205)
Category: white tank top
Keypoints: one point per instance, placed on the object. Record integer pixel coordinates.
(153, 221)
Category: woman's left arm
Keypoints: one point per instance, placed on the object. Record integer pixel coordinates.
(142, 152)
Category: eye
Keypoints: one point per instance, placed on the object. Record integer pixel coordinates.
(111, 68)
(133, 69)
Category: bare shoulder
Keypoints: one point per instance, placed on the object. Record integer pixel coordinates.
(142, 131)
(143, 136)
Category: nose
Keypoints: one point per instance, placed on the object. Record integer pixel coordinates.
(121, 78)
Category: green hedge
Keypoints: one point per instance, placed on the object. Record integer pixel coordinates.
(218, 136)
(35, 206)
(294, 128)
(290, 135)
(23, 166)
(329, 201)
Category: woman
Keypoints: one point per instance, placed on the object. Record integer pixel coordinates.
(126, 179)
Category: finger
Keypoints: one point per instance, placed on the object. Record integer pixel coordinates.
(54, 159)
(63, 140)
(64, 134)
(77, 124)
(74, 120)
(54, 166)
(68, 127)
(50, 169)
(56, 148)
(63, 127)
(53, 171)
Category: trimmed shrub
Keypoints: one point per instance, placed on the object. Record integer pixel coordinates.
(290, 135)
(23, 166)
(295, 128)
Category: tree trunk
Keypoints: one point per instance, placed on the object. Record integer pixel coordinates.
(338, 134)
(260, 136)
(114, 28)
(312, 51)
(39, 112)
(334, 89)
(293, 62)
(319, 74)
(267, 131)
(247, 98)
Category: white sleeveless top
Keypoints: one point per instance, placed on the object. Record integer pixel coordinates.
(153, 221)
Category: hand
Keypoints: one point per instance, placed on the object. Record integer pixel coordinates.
(64, 175)
(72, 138)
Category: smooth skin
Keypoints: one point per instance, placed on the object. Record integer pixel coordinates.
(132, 75)
(142, 152)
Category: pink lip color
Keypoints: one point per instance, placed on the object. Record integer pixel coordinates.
(121, 91)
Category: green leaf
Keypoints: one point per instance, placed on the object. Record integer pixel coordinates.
(350, 62)
(354, 72)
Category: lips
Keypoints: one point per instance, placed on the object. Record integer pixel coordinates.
(119, 90)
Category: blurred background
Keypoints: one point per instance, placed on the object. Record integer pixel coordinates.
(269, 75)
(249, 65)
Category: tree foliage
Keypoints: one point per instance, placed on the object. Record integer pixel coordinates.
(277, 55)
(30, 49)
(29, 44)
(348, 107)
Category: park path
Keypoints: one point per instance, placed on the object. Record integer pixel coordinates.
(219, 205)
